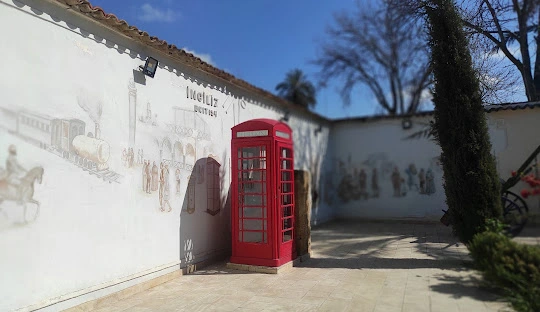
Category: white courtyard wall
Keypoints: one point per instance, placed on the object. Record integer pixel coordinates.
(399, 156)
(98, 231)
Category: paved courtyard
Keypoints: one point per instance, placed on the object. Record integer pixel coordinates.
(355, 267)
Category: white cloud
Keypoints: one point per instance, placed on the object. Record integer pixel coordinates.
(203, 56)
(148, 13)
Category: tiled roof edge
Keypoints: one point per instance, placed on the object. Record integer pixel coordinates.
(487, 108)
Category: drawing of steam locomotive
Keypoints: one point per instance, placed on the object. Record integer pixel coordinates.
(63, 137)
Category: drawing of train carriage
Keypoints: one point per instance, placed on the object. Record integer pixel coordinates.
(63, 137)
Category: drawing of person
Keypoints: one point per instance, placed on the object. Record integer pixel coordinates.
(177, 176)
(166, 188)
(422, 180)
(403, 187)
(430, 182)
(124, 157)
(155, 177)
(362, 183)
(14, 171)
(131, 157)
(396, 182)
(375, 183)
(411, 172)
(148, 172)
(144, 176)
(161, 184)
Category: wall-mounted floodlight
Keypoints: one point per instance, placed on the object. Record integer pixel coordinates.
(318, 130)
(285, 117)
(150, 67)
(406, 123)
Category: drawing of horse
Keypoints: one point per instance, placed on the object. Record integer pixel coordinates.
(23, 192)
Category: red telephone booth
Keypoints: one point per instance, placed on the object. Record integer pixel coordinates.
(263, 193)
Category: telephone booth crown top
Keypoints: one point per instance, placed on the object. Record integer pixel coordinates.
(263, 127)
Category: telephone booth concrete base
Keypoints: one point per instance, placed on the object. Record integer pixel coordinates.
(262, 213)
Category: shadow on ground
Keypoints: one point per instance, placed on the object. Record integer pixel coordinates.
(429, 249)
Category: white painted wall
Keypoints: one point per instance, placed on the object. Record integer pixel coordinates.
(518, 136)
(90, 232)
(383, 144)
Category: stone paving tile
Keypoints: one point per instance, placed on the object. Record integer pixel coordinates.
(354, 267)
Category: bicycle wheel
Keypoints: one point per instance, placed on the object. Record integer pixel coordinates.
(515, 212)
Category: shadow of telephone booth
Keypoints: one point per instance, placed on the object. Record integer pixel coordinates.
(262, 209)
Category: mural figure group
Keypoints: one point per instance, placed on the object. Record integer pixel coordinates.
(164, 187)
(157, 179)
(128, 157)
(354, 186)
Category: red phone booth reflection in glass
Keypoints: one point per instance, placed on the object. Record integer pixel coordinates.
(263, 184)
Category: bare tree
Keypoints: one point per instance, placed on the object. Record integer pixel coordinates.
(383, 48)
(498, 80)
(507, 24)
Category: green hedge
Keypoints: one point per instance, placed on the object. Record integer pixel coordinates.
(513, 267)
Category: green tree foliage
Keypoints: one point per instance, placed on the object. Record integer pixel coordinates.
(471, 184)
(297, 89)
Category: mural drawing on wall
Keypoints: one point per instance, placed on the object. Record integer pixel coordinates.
(148, 118)
(66, 137)
(173, 151)
(17, 184)
(353, 183)
(375, 183)
(164, 188)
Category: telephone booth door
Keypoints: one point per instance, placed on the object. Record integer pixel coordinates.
(253, 215)
(285, 200)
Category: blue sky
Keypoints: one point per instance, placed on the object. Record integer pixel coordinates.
(258, 40)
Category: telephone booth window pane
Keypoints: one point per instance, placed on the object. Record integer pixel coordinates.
(287, 236)
(286, 153)
(254, 237)
(286, 176)
(286, 164)
(254, 212)
(286, 187)
(256, 225)
(287, 224)
(287, 211)
(253, 200)
(286, 200)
